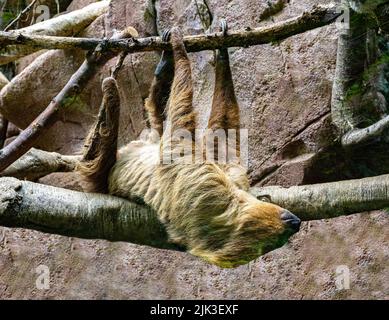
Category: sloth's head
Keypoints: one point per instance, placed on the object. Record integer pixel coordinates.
(248, 229)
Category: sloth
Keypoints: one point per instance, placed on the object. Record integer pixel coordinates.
(205, 205)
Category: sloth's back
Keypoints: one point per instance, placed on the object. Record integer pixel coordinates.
(135, 175)
(131, 176)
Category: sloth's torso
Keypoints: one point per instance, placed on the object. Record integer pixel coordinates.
(178, 192)
(134, 170)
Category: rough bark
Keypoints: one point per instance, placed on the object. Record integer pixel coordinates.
(76, 214)
(51, 114)
(64, 25)
(318, 17)
(38, 163)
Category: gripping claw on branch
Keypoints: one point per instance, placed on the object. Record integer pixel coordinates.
(223, 51)
(166, 62)
(223, 26)
(166, 35)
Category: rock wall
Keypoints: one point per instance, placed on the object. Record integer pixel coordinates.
(284, 93)
(306, 268)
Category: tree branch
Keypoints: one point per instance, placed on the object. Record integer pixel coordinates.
(357, 49)
(318, 17)
(23, 12)
(25, 204)
(359, 136)
(328, 200)
(50, 115)
(36, 164)
(64, 25)
(49, 209)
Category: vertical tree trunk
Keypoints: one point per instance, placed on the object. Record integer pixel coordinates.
(350, 65)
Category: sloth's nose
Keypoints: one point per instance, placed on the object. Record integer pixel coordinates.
(292, 221)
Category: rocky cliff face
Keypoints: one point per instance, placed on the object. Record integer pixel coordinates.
(284, 92)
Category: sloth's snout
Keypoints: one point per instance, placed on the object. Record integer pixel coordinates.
(291, 221)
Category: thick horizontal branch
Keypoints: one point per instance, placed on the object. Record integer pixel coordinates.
(76, 214)
(360, 136)
(318, 17)
(67, 24)
(36, 164)
(328, 200)
(89, 215)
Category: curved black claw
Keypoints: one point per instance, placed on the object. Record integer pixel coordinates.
(166, 63)
(223, 52)
(166, 35)
(224, 26)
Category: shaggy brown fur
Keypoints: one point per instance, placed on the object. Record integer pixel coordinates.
(99, 154)
(155, 104)
(205, 206)
(225, 109)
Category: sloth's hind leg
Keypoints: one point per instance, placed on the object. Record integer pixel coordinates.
(100, 148)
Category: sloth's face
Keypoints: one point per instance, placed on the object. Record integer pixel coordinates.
(258, 227)
(263, 227)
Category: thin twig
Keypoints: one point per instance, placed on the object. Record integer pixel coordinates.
(51, 114)
(23, 12)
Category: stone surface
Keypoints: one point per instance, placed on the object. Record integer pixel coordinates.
(67, 180)
(284, 93)
(306, 268)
